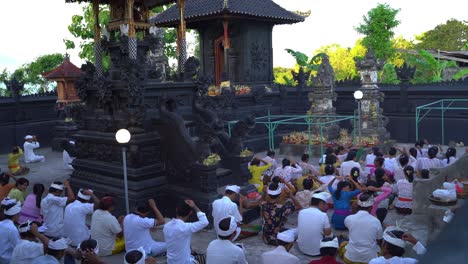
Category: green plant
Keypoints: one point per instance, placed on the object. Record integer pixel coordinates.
(460, 74)
(303, 60)
(388, 74)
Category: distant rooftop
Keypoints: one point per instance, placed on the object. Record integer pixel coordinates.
(64, 70)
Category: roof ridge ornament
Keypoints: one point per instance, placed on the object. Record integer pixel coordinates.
(226, 4)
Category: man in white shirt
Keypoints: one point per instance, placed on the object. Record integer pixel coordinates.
(222, 250)
(281, 255)
(55, 252)
(105, 227)
(30, 144)
(28, 248)
(75, 227)
(53, 206)
(178, 233)
(365, 231)
(313, 225)
(390, 162)
(225, 206)
(393, 247)
(270, 158)
(350, 162)
(137, 229)
(9, 236)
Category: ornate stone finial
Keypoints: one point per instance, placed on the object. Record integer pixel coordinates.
(405, 73)
(124, 30)
(370, 62)
(303, 14)
(66, 57)
(325, 75)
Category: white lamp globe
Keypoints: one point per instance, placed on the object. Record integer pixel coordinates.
(358, 95)
(123, 136)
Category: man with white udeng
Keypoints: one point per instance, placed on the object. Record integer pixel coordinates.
(30, 143)
(225, 206)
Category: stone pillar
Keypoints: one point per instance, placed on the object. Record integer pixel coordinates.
(405, 74)
(322, 99)
(372, 121)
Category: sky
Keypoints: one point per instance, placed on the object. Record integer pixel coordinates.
(36, 27)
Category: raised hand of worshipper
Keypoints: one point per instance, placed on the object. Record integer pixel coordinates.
(191, 203)
(409, 238)
(90, 257)
(66, 183)
(152, 203)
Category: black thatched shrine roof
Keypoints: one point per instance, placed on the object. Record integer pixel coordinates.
(148, 3)
(265, 10)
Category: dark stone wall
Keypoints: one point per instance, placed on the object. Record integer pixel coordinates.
(33, 115)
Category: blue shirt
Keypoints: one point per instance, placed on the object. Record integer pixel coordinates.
(344, 202)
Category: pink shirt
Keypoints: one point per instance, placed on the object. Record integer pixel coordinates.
(385, 193)
(30, 210)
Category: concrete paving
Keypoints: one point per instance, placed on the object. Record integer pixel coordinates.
(54, 169)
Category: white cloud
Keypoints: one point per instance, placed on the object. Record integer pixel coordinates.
(35, 27)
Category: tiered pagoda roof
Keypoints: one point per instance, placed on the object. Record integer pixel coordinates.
(64, 70)
(196, 10)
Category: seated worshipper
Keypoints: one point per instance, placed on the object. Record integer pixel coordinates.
(370, 160)
(225, 206)
(138, 256)
(286, 188)
(281, 255)
(341, 153)
(404, 190)
(316, 183)
(341, 200)
(328, 249)
(270, 158)
(29, 145)
(9, 236)
(330, 160)
(393, 247)
(424, 174)
(69, 153)
(53, 207)
(379, 163)
(75, 228)
(390, 161)
(313, 224)
(5, 185)
(307, 167)
(328, 151)
(14, 164)
(380, 195)
(257, 171)
(106, 229)
(31, 209)
(222, 250)
(287, 171)
(430, 162)
(350, 162)
(89, 249)
(402, 162)
(329, 176)
(276, 214)
(29, 247)
(303, 197)
(19, 191)
(450, 157)
(54, 253)
(421, 152)
(178, 234)
(365, 233)
(137, 229)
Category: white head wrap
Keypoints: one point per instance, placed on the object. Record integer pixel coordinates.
(233, 188)
(332, 244)
(232, 228)
(274, 192)
(324, 196)
(16, 209)
(392, 239)
(25, 227)
(287, 236)
(60, 244)
(28, 137)
(57, 186)
(140, 261)
(367, 203)
(83, 196)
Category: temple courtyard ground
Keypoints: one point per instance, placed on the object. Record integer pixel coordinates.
(53, 169)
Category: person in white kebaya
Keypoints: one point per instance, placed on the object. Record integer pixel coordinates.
(30, 143)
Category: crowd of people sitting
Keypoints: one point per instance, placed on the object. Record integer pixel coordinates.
(38, 228)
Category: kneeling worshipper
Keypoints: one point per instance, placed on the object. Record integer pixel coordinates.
(313, 224)
(53, 207)
(138, 256)
(54, 253)
(281, 255)
(222, 250)
(14, 164)
(9, 236)
(365, 231)
(328, 249)
(29, 247)
(276, 214)
(29, 145)
(393, 247)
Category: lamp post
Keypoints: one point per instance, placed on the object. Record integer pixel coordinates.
(358, 96)
(123, 137)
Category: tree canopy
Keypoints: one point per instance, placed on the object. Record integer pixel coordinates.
(378, 27)
(453, 35)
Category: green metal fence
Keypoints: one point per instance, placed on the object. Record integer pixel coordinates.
(442, 105)
(273, 121)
